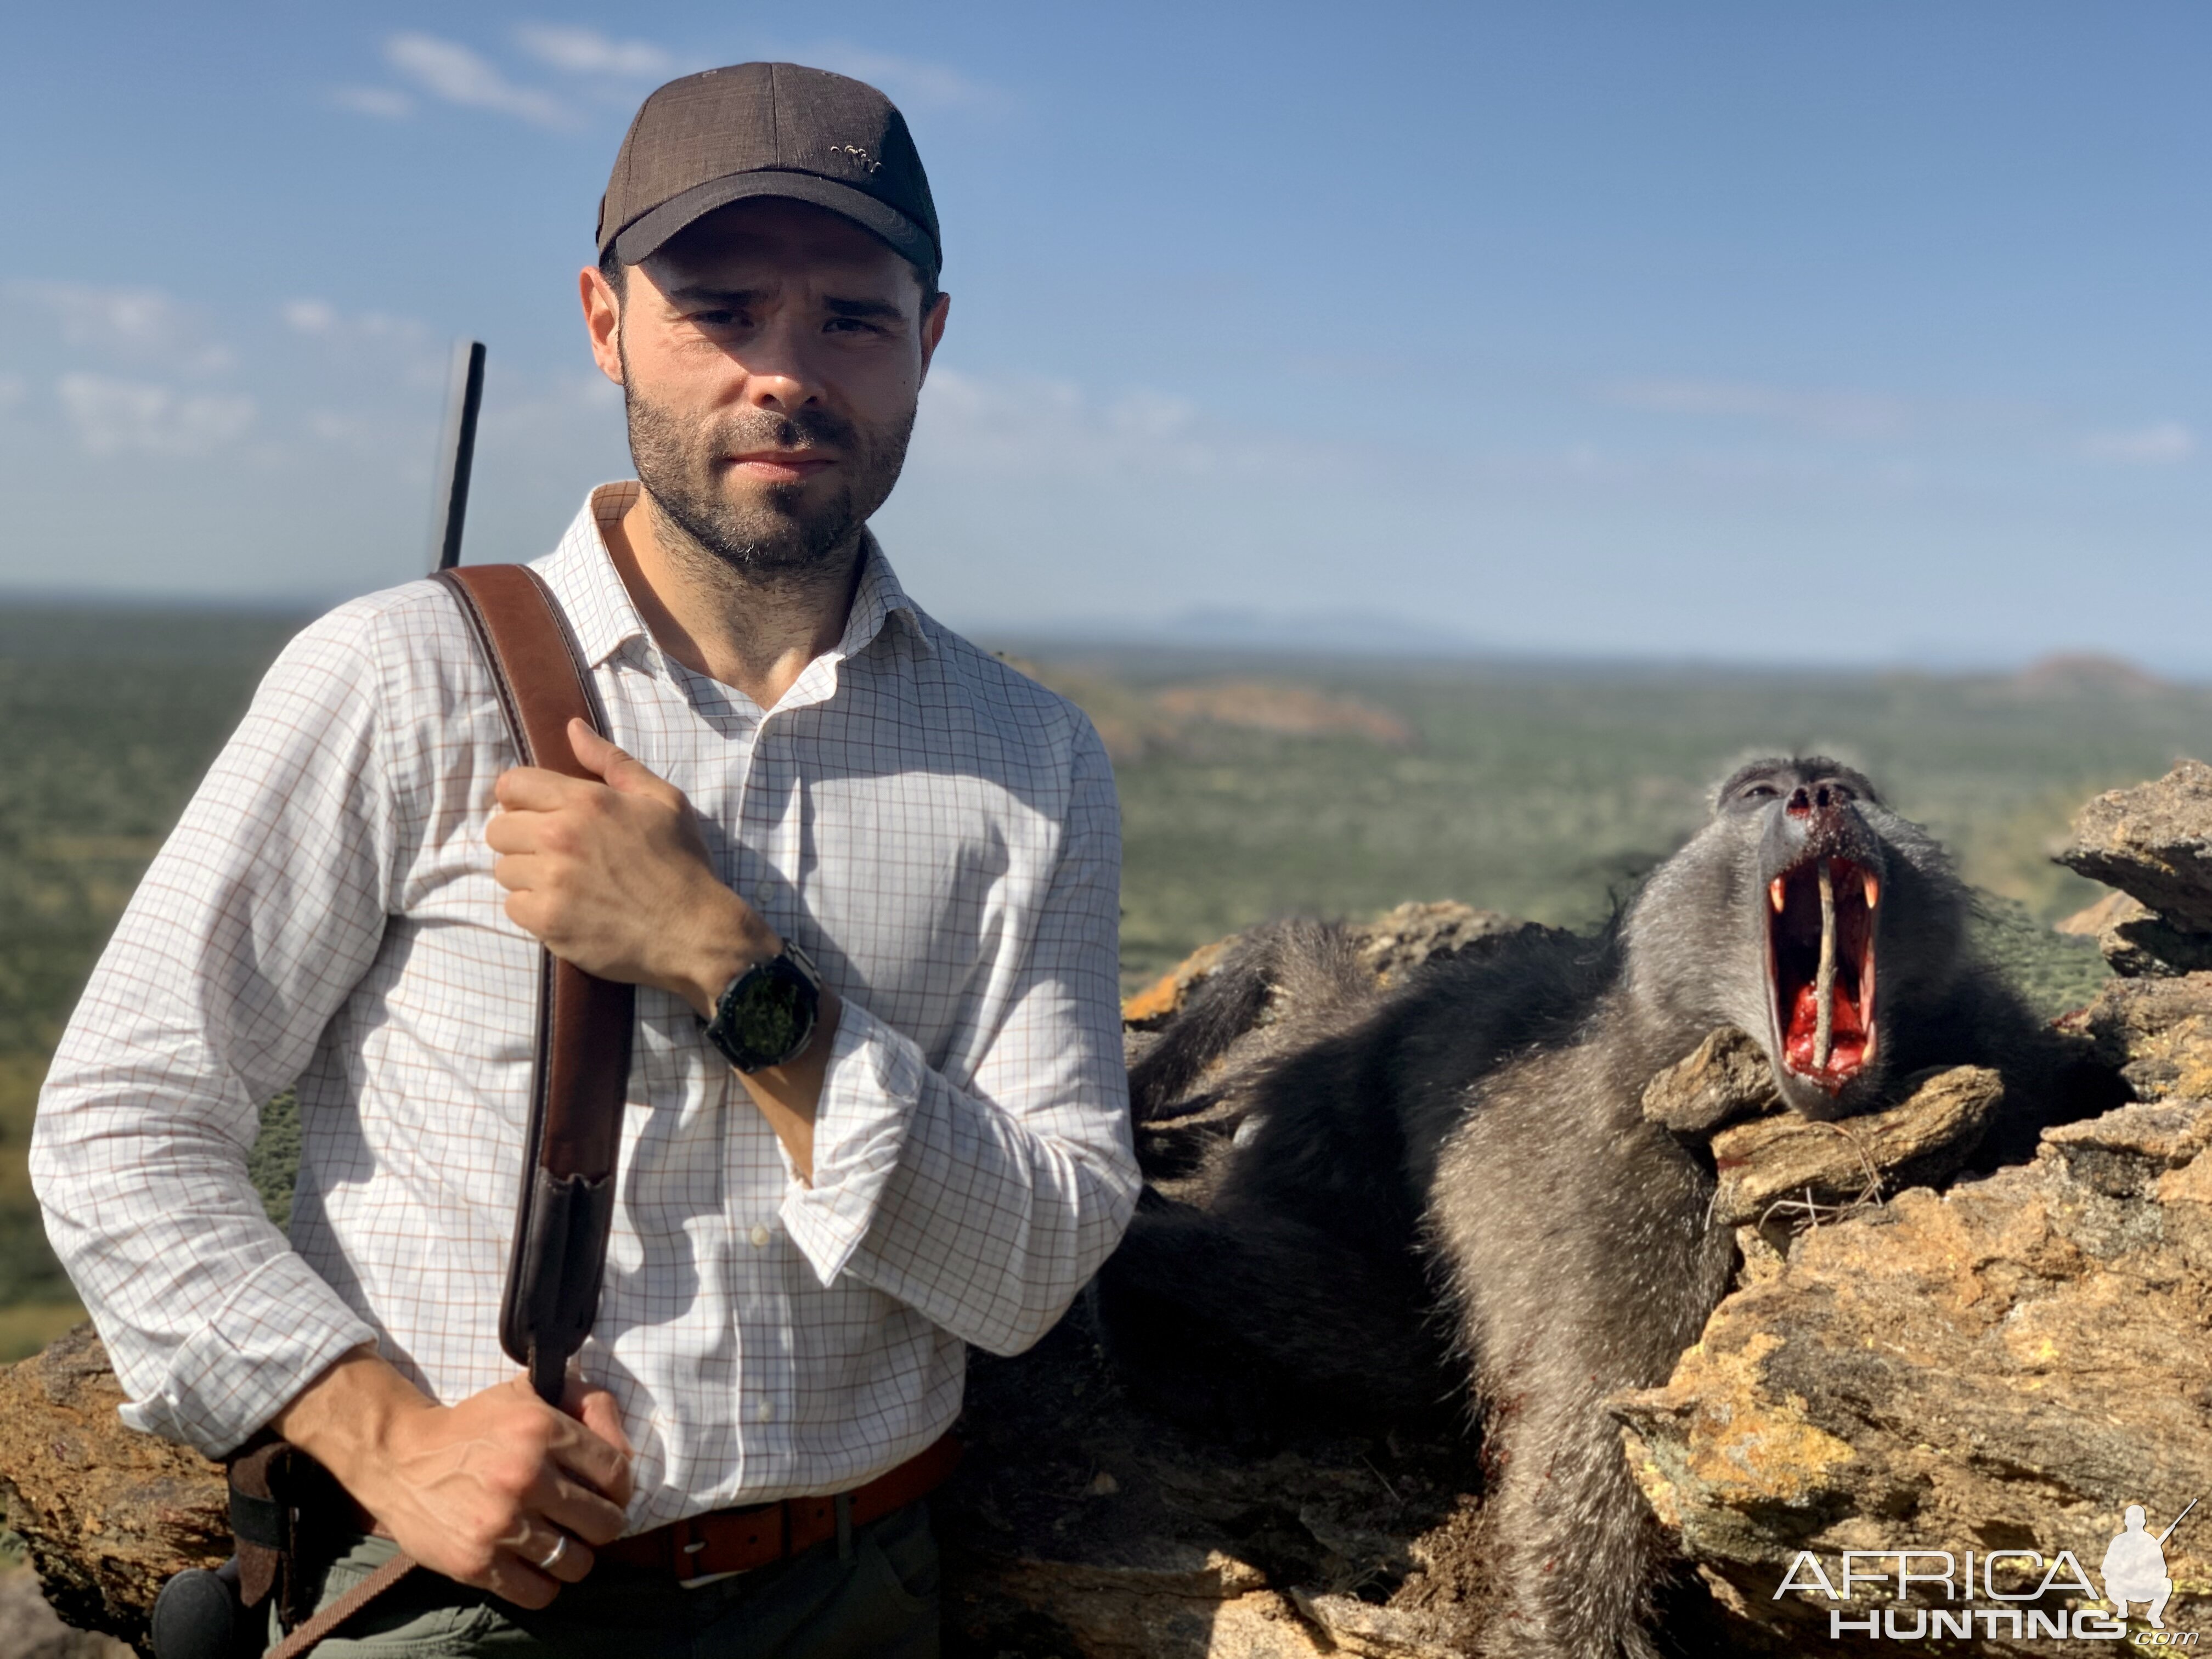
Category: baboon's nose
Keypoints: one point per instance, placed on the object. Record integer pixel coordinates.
(1817, 797)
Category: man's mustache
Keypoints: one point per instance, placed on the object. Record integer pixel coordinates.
(808, 429)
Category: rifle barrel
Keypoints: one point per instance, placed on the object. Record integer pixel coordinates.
(457, 453)
(2178, 1519)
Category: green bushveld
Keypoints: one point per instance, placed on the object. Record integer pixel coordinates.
(1542, 792)
(107, 720)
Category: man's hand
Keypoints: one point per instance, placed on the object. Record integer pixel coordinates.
(614, 877)
(482, 1491)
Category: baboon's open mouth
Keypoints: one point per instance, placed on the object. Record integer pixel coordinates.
(1821, 965)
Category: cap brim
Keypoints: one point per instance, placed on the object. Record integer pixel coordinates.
(637, 241)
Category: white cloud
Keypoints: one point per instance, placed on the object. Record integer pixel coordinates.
(134, 322)
(910, 82)
(374, 343)
(320, 320)
(310, 316)
(448, 69)
(334, 426)
(2161, 444)
(1833, 414)
(112, 417)
(387, 102)
(1037, 428)
(586, 52)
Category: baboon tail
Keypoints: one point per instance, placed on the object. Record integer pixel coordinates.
(1310, 966)
(1260, 1323)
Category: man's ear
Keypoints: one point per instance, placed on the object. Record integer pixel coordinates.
(933, 331)
(602, 320)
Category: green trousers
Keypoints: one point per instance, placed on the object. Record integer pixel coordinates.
(876, 1600)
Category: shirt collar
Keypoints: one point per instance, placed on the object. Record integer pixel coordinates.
(876, 598)
(603, 619)
(582, 575)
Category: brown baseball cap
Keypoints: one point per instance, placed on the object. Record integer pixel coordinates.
(768, 129)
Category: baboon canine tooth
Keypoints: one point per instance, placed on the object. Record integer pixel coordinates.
(1873, 890)
(1774, 891)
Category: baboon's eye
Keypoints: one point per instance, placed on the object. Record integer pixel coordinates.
(1760, 792)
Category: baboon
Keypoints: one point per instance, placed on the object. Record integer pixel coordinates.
(1456, 1181)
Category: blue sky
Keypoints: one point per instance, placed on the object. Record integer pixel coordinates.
(1838, 332)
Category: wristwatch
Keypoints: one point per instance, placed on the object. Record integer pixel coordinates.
(765, 1016)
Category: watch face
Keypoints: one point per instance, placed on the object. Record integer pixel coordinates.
(767, 1019)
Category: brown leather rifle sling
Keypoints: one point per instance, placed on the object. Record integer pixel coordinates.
(577, 1091)
(584, 1023)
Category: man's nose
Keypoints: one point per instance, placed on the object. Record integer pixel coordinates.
(780, 370)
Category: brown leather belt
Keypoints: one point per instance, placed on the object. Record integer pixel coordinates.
(740, 1540)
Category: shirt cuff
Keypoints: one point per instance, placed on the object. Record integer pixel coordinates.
(870, 1090)
(279, 1330)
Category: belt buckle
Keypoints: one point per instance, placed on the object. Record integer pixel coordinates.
(685, 1549)
(684, 1552)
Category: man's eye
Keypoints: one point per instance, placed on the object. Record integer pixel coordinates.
(851, 326)
(715, 319)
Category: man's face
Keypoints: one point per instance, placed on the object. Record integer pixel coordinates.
(770, 356)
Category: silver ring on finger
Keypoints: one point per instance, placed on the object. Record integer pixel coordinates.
(553, 1556)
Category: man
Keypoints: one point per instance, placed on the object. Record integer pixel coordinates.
(2134, 1569)
(806, 759)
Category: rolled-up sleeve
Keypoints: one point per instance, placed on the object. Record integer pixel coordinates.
(986, 1208)
(260, 913)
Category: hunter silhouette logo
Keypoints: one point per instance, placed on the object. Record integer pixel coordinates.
(1999, 1593)
(2134, 1567)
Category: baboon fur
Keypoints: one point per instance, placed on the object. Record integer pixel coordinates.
(1455, 1184)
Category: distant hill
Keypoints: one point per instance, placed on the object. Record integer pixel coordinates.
(2085, 673)
(1347, 633)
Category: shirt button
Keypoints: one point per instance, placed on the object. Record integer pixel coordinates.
(765, 1412)
(759, 1237)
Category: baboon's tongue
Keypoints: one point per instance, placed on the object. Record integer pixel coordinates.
(1820, 955)
(1847, 1031)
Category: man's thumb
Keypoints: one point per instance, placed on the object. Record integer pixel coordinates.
(617, 768)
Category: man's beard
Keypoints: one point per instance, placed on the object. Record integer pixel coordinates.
(768, 534)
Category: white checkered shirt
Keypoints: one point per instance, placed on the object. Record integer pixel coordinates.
(939, 832)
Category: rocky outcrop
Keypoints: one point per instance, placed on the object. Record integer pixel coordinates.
(2153, 844)
(1081, 1527)
(1297, 711)
(2137, 941)
(1394, 944)
(2156, 1033)
(1078, 1527)
(1788, 1169)
(30, 1630)
(1778, 1171)
(2003, 1367)
(1084, 1527)
(1134, 721)
(107, 1515)
(2000, 1367)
